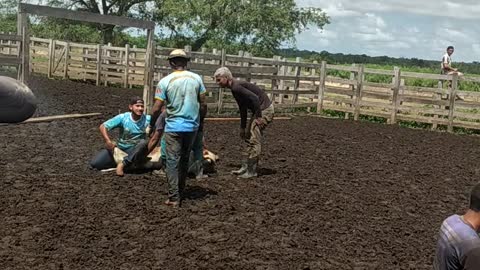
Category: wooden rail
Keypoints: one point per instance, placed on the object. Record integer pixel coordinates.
(292, 85)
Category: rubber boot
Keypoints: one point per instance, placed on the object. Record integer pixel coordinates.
(251, 168)
(242, 169)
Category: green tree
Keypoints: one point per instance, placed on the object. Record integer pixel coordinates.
(259, 26)
(126, 8)
(8, 16)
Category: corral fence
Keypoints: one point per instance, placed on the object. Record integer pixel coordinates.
(293, 85)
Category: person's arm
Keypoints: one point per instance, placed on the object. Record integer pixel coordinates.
(160, 97)
(243, 112)
(108, 142)
(202, 100)
(107, 126)
(156, 110)
(446, 66)
(253, 99)
(157, 135)
(153, 142)
(203, 107)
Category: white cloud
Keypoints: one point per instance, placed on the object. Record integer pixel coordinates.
(398, 28)
(466, 9)
(476, 48)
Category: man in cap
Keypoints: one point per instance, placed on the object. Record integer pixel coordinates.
(183, 94)
(248, 97)
(132, 140)
(458, 246)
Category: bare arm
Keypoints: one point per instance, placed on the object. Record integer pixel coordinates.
(156, 110)
(153, 142)
(106, 138)
(203, 106)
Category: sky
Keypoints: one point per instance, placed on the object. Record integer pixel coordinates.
(397, 28)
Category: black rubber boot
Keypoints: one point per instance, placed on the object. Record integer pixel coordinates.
(251, 168)
(242, 170)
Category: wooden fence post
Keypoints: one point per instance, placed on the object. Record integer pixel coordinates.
(148, 89)
(9, 44)
(107, 61)
(84, 63)
(451, 107)
(436, 97)
(282, 71)
(221, 90)
(247, 64)
(188, 50)
(395, 99)
(274, 84)
(352, 87)
(99, 64)
(51, 57)
(298, 72)
(321, 86)
(23, 30)
(358, 92)
(66, 60)
(127, 65)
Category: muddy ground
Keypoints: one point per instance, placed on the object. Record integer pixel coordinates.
(333, 194)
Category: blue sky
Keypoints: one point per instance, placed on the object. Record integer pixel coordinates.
(398, 28)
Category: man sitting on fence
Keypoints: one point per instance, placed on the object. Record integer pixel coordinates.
(133, 139)
(447, 68)
(248, 97)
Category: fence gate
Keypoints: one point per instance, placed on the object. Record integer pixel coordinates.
(12, 54)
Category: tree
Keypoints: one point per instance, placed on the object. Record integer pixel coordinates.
(126, 8)
(8, 17)
(259, 26)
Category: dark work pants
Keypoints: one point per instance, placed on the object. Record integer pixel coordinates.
(136, 155)
(195, 164)
(179, 145)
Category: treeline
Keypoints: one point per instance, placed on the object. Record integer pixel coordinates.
(260, 27)
(381, 61)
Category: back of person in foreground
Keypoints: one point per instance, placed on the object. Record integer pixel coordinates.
(458, 246)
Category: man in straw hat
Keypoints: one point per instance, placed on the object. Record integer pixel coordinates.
(183, 94)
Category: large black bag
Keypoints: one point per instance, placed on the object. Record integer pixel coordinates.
(17, 102)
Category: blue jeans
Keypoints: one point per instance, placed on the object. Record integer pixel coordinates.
(136, 155)
(179, 145)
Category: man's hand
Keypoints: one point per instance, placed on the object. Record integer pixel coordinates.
(110, 146)
(149, 131)
(260, 123)
(242, 134)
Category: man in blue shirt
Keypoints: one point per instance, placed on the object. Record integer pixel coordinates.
(458, 246)
(183, 93)
(132, 140)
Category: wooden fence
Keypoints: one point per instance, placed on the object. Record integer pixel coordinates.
(293, 85)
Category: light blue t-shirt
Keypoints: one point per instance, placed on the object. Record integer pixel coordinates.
(131, 132)
(180, 91)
